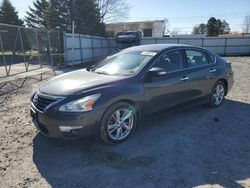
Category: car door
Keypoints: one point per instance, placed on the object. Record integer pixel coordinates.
(169, 90)
(201, 72)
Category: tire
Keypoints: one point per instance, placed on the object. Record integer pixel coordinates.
(111, 124)
(217, 94)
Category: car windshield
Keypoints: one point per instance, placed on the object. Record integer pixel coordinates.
(124, 64)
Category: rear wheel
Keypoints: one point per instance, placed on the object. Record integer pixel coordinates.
(217, 94)
(118, 123)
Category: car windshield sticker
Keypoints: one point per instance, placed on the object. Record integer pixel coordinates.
(148, 53)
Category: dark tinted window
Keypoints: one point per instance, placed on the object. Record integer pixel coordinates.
(196, 58)
(147, 32)
(170, 61)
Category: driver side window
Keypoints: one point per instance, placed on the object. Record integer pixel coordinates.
(170, 61)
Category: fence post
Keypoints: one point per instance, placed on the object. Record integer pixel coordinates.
(80, 42)
(4, 60)
(92, 48)
(60, 47)
(21, 40)
(108, 46)
(64, 46)
(13, 53)
(51, 59)
(102, 48)
(249, 48)
(38, 48)
(225, 48)
(202, 42)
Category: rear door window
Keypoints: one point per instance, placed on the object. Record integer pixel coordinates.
(197, 58)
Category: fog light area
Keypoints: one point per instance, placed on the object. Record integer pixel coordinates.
(69, 129)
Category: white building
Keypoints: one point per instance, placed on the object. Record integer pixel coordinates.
(147, 28)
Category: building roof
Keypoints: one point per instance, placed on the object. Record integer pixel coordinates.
(137, 22)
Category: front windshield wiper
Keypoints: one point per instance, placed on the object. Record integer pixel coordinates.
(91, 69)
(101, 72)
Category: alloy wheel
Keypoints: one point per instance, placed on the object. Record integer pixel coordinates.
(218, 94)
(120, 124)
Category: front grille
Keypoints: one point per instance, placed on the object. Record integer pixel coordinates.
(43, 101)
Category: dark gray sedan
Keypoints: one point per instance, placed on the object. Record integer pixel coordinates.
(111, 98)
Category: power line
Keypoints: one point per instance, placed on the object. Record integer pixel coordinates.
(203, 20)
(187, 18)
(195, 20)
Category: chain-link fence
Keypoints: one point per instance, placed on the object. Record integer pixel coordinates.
(25, 49)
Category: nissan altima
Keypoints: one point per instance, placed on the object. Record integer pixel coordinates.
(110, 98)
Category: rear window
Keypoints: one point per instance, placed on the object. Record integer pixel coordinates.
(197, 58)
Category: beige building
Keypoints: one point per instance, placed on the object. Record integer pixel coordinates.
(147, 28)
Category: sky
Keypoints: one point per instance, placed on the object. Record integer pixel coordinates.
(182, 14)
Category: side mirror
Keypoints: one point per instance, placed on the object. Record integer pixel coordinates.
(157, 72)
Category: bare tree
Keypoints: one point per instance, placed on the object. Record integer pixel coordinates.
(113, 10)
(166, 27)
(175, 31)
(246, 24)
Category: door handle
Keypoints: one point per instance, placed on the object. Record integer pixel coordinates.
(184, 78)
(212, 70)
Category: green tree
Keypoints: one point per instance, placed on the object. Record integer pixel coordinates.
(36, 17)
(87, 18)
(200, 29)
(217, 27)
(212, 29)
(58, 15)
(11, 37)
(8, 14)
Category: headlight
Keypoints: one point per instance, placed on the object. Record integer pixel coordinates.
(81, 105)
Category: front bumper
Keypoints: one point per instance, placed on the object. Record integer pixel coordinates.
(82, 124)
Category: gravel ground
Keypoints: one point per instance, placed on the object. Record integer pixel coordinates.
(193, 147)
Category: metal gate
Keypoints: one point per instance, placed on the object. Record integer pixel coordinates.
(24, 49)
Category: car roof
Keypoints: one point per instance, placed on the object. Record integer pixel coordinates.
(154, 47)
(128, 31)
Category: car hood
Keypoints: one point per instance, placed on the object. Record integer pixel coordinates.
(76, 81)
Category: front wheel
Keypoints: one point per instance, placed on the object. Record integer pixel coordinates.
(118, 123)
(217, 94)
